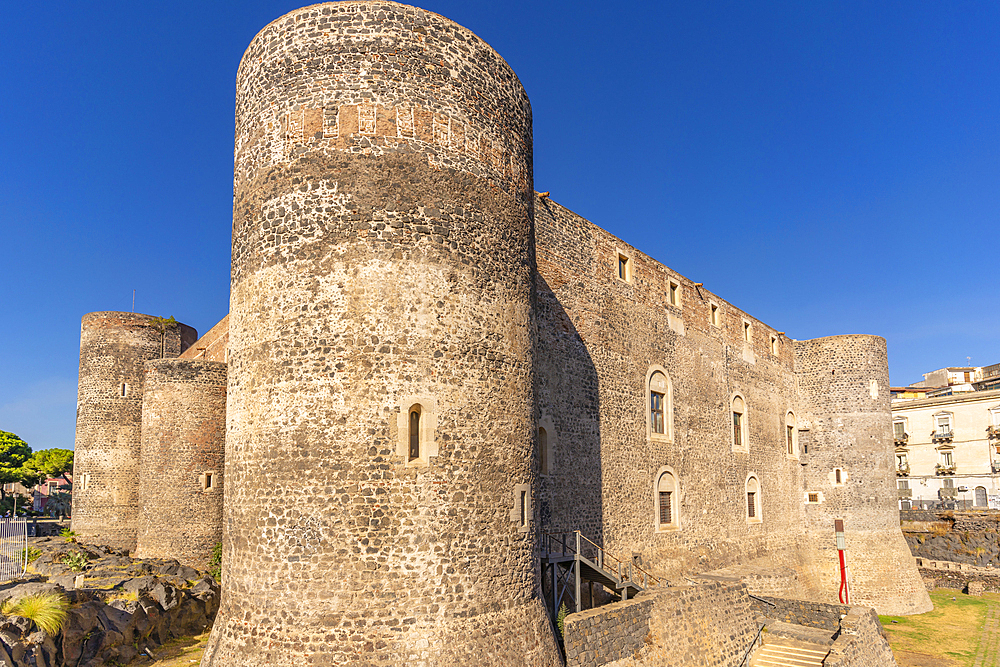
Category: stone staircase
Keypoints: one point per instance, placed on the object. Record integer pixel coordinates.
(785, 652)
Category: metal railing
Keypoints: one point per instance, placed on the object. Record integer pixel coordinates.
(580, 545)
(754, 644)
(13, 548)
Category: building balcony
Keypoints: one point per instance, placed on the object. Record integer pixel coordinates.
(942, 436)
(903, 470)
(947, 492)
(941, 470)
(900, 440)
(993, 432)
(905, 493)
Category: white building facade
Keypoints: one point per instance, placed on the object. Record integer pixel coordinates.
(948, 450)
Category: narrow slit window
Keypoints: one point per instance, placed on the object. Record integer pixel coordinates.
(524, 508)
(774, 345)
(751, 504)
(713, 316)
(746, 331)
(124, 389)
(414, 433)
(624, 267)
(837, 475)
(675, 297)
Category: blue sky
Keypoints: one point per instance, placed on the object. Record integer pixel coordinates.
(829, 167)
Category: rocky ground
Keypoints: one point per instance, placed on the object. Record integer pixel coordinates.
(121, 608)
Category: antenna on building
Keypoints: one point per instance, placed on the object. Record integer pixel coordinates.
(133, 301)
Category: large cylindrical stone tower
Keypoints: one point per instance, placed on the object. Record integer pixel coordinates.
(113, 348)
(380, 422)
(183, 454)
(849, 474)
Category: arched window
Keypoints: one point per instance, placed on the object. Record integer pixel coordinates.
(414, 432)
(659, 404)
(739, 411)
(666, 501)
(543, 451)
(753, 500)
(791, 437)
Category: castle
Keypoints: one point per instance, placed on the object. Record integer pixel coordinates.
(427, 366)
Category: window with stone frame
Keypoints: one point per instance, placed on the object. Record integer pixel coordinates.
(753, 500)
(674, 291)
(899, 428)
(659, 405)
(739, 424)
(666, 502)
(713, 314)
(942, 424)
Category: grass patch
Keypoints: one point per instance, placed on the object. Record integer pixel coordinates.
(47, 610)
(129, 596)
(950, 632)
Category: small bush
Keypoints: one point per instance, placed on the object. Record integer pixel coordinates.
(70, 535)
(939, 531)
(215, 562)
(47, 610)
(29, 554)
(75, 560)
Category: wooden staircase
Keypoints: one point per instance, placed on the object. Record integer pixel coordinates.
(784, 652)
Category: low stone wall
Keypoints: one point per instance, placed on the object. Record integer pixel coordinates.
(959, 580)
(801, 612)
(709, 624)
(959, 520)
(605, 634)
(861, 642)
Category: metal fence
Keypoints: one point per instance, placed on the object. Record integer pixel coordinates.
(13, 548)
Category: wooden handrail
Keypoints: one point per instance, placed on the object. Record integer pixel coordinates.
(602, 556)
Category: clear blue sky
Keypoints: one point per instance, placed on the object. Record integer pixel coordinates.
(829, 167)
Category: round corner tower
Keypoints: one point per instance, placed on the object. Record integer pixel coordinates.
(843, 384)
(183, 453)
(113, 348)
(378, 457)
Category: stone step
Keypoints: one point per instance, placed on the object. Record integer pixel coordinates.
(789, 654)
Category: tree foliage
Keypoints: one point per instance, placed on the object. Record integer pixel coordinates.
(51, 463)
(14, 452)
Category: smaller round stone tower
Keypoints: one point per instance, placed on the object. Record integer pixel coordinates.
(113, 348)
(183, 452)
(849, 475)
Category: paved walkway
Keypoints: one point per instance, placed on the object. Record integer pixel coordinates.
(989, 641)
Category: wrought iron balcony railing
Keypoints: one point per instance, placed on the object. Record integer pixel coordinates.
(942, 436)
(941, 469)
(903, 470)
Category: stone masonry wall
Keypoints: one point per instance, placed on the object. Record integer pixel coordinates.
(600, 338)
(601, 635)
(801, 612)
(690, 626)
(113, 348)
(382, 267)
(861, 642)
(183, 456)
(213, 346)
(844, 401)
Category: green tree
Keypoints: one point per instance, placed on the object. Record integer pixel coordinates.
(13, 454)
(51, 463)
(161, 324)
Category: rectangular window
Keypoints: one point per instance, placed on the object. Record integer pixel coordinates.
(737, 429)
(813, 497)
(713, 316)
(943, 423)
(751, 507)
(656, 412)
(837, 475)
(897, 430)
(414, 435)
(524, 508)
(665, 507)
(789, 439)
(675, 294)
(209, 480)
(946, 459)
(774, 345)
(949, 483)
(624, 270)
(746, 331)
(903, 484)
